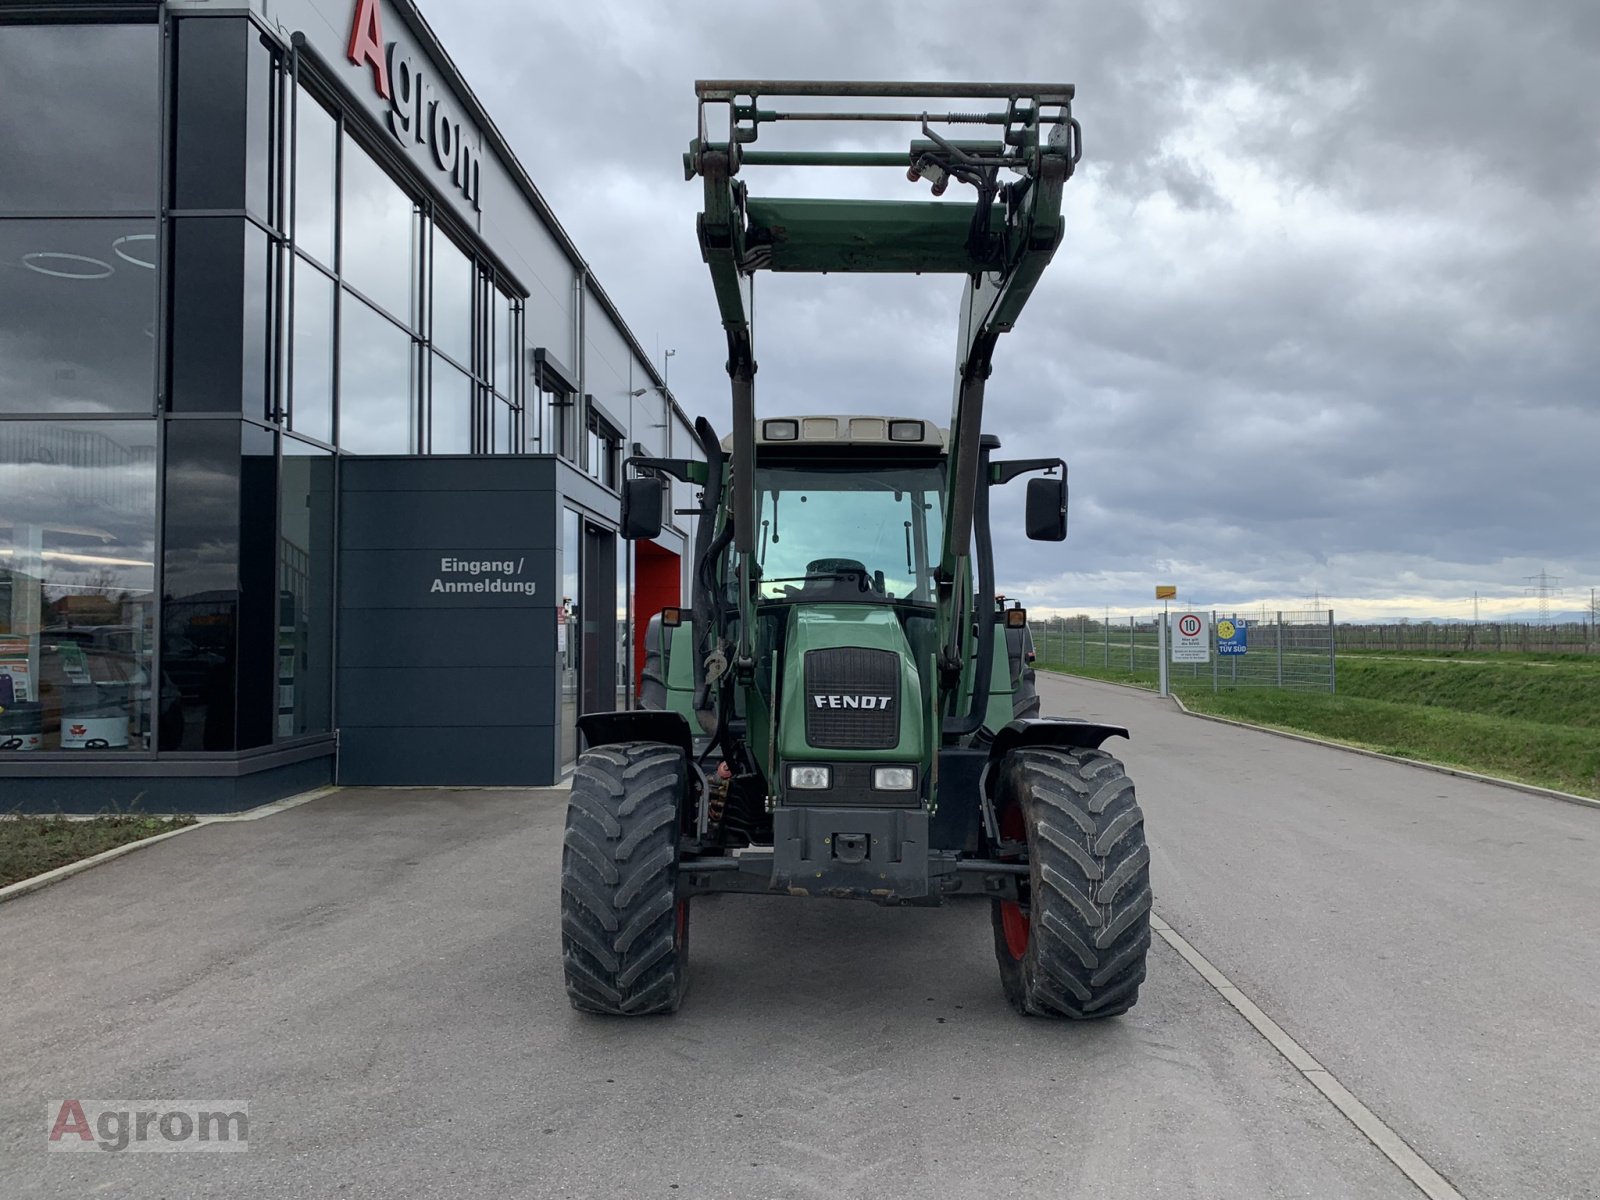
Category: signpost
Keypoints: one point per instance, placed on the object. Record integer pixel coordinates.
(1164, 592)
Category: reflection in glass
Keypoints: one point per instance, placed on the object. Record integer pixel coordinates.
(453, 280)
(504, 344)
(567, 635)
(82, 131)
(77, 314)
(378, 227)
(377, 395)
(305, 592)
(452, 410)
(221, 288)
(315, 193)
(223, 103)
(259, 277)
(200, 602)
(311, 411)
(504, 427)
(77, 579)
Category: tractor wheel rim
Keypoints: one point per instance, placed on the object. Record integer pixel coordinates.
(680, 923)
(1014, 924)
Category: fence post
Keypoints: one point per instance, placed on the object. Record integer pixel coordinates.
(1216, 651)
(1105, 638)
(1083, 641)
(1333, 658)
(1133, 667)
(1280, 649)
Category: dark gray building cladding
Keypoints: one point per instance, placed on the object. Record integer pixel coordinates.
(312, 418)
(454, 560)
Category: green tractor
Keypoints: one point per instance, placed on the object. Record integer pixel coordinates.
(835, 715)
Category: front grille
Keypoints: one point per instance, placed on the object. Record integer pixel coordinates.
(857, 678)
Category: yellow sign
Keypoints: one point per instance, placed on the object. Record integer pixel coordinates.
(1225, 629)
(1166, 591)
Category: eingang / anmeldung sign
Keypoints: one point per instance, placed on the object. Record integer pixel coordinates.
(1190, 641)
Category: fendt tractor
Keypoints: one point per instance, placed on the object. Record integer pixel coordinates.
(835, 715)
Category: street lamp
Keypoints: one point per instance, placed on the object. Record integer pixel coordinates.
(664, 364)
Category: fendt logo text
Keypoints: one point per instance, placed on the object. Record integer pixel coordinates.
(875, 702)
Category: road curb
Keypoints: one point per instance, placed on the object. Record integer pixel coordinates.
(1439, 768)
(34, 883)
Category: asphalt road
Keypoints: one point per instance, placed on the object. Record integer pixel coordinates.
(377, 974)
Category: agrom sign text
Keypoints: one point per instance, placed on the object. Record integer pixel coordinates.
(415, 115)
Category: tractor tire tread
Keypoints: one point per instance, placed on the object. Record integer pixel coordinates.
(621, 948)
(1089, 884)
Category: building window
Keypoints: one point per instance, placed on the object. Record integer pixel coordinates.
(316, 179)
(451, 405)
(426, 351)
(311, 360)
(77, 586)
(224, 132)
(77, 314)
(305, 591)
(83, 118)
(503, 422)
(377, 382)
(380, 229)
(455, 279)
(223, 278)
(82, 135)
(504, 354)
(603, 451)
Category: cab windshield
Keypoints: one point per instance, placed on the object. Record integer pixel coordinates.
(844, 533)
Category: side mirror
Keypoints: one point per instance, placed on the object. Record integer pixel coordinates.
(1047, 510)
(641, 508)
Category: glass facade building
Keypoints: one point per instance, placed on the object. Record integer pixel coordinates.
(236, 254)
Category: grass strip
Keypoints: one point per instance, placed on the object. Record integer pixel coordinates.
(32, 845)
(1557, 747)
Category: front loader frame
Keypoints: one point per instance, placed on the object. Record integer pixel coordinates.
(1002, 244)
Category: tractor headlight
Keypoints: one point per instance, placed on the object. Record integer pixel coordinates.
(810, 777)
(894, 779)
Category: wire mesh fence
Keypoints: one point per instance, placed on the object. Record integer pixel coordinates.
(1291, 650)
(1439, 637)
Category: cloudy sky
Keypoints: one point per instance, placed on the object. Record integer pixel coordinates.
(1325, 324)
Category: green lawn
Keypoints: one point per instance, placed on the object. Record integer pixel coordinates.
(1531, 718)
(32, 845)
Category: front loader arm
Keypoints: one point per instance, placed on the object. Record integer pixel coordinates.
(1001, 243)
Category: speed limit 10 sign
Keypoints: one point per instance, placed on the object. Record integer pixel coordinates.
(1191, 642)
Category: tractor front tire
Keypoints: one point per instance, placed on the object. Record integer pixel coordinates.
(624, 931)
(1075, 946)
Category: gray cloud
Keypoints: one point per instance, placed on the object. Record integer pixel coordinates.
(1323, 322)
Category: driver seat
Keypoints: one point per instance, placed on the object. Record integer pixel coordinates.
(851, 582)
